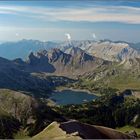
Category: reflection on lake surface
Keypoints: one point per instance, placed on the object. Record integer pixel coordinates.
(65, 97)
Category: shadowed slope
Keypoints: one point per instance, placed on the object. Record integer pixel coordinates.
(76, 130)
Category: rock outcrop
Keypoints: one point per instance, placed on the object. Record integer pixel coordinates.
(76, 130)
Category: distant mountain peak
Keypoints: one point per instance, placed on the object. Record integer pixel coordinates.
(55, 50)
(74, 51)
(106, 49)
(54, 54)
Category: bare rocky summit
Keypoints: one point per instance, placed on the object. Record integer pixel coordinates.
(108, 50)
(57, 62)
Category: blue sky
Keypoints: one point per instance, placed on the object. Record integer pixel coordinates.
(88, 19)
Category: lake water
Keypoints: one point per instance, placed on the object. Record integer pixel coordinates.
(65, 97)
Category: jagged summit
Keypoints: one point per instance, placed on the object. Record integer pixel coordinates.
(59, 62)
(74, 51)
(106, 49)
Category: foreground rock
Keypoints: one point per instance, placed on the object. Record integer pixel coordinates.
(76, 130)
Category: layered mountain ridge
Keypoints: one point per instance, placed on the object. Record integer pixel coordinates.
(97, 60)
(57, 62)
(108, 50)
(105, 49)
(94, 65)
(17, 75)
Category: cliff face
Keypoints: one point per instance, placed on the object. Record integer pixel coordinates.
(117, 50)
(57, 62)
(107, 50)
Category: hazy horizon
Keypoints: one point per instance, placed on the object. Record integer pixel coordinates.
(51, 20)
(65, 40)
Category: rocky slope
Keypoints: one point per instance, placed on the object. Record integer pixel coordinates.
(105, 49)
(120, 76)
(108, 50)
(31, 75)
(57, 62)
(21, 111)
(76, 130)
(16, 75)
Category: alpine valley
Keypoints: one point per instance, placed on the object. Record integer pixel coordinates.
(106, 72)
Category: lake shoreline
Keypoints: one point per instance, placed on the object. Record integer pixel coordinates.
(65, 96)
(60, 89)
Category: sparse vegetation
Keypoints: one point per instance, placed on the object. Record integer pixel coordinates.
(128, 128)
(110, 110)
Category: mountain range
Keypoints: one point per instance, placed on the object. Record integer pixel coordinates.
(93, 60)
(105, 49)
(22, 48)
(108, 50)
(57, 62)
(17, 77)
(25, 85)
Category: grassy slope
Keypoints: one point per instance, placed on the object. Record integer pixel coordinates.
(8, 99)
(54, 132)
(126, 79)
(121, 79)
(129, 128)
(21, 134)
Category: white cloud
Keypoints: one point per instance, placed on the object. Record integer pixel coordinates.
(7, 33)
(124, 14)
(11, 33)
(94, 36)
(68, 36)
(17, 34)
